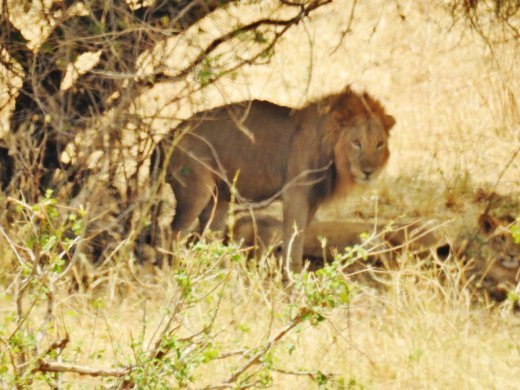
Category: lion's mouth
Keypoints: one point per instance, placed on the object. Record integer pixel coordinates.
(363, 178)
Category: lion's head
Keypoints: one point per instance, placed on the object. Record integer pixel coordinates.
(503, 264)
(361, 129)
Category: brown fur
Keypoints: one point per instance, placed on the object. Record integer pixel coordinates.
(261, 235)
(495, 264)
(500, 269)
(265, 233)
(304, 156)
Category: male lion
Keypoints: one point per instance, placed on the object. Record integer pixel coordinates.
(265, 151)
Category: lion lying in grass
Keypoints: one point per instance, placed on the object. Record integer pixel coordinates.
(322, 240)
(264, 151)
(492, 261)
(499, 269)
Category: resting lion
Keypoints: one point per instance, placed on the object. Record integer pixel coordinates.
(304, 156)
(385, 242)
(500, 268)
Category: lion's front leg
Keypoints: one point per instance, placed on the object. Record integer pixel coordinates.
(296, 215)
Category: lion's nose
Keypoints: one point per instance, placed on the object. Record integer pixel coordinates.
(367, 172)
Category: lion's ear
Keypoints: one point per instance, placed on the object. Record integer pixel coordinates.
(508, 219)
(388, 122)
(487, 224)
(324, 107)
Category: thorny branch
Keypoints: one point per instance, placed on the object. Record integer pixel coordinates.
(286, 23)
(300, 317)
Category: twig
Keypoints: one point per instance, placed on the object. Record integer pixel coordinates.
(13, 247)
(57, 344)
(310, 374)
(81, 370)
(499, 178)
(304, 312)
(286, 23)
(347, 29)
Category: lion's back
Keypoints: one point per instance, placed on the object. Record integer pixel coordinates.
(234, 124)
(252, 138)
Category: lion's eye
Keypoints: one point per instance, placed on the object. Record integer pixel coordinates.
(380, 144)
(356, 144)
(509, 263)
(501, 240)
(343, 122)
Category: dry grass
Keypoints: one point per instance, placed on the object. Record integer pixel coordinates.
(457, 107)
(414, 332)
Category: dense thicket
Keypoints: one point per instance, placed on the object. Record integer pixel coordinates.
(46, 116)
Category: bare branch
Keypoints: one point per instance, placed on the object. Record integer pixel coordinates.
(255, 358)
(81, 370)
(286, 23)
(348, 26)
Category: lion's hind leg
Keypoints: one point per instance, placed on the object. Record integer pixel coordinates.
(193, 194)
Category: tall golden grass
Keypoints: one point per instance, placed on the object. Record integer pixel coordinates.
(456, 100)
